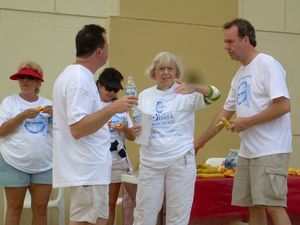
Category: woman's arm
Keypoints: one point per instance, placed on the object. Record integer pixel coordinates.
(12, 124)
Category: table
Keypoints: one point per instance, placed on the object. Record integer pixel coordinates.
(212, 202)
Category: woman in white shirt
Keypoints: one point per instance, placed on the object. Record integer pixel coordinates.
(109, 84)
(167, 163)
(26, 146)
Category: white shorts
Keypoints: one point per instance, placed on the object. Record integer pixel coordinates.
(116, 175)
(88, 203)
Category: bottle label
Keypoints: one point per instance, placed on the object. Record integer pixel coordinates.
(137, 116)
(130, 91)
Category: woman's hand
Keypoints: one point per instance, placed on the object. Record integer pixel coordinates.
(48, 109)
(30, 113)
(136, 130)
(184, 88)
(119, 127)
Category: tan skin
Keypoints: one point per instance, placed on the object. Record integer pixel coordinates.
(241, 50)
(40, 193)
(114, 188)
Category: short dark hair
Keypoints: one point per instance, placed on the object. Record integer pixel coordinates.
(111, 77)
(88, 39)
(245, 28)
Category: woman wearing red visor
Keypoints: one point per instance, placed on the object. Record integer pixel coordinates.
(26, 146)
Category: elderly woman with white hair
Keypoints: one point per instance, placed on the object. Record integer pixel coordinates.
(167, 163)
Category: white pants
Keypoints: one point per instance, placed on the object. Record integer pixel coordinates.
(177, 181)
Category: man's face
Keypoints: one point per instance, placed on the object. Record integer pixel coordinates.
(233, 43)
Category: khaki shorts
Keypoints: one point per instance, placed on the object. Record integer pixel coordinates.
(261, 181)
(88, 203)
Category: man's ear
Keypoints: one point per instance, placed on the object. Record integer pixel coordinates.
(246, 39)
(99, 51)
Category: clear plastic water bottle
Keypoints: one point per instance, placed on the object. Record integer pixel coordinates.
(137, 116)
(130, 87)
(131, 90)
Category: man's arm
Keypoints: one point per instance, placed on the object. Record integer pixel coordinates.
(276, 109)
(213, 129)
(93, 122)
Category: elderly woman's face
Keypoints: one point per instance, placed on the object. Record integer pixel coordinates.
(165, 75)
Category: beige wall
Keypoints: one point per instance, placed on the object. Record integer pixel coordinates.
(43, 31)
(138, 29)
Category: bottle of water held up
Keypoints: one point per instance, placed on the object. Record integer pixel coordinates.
(131, 90)
(130, 87)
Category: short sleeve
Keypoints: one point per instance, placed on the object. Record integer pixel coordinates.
(79, 104)
(275, 80)
(5, 110)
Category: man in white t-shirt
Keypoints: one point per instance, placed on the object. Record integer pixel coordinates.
(260, 98)
(81, 139)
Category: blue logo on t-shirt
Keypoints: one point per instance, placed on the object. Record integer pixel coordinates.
(36, 125)
(243, 94)
(162, 118)
(160, 107)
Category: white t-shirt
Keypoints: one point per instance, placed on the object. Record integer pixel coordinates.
(86, 161)
(172, 131)
(117, 161)
(29, 147)
(252, 90)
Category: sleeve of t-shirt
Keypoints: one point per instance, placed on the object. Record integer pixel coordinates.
(199, 101)
(5, 112)
(79, 104)
(275, 81)
(229, 104)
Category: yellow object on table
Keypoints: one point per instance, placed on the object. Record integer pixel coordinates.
(207, 171)
(294, 171)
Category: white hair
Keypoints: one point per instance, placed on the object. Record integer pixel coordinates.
(165, 58)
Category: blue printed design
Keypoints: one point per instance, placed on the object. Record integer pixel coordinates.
(162, 122)
(161, 118)
(159, 107)
(38, 125)
(116, 119)
(243, 93)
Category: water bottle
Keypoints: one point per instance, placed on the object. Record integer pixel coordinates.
(130, 87)
(137, 116)
(131, 90)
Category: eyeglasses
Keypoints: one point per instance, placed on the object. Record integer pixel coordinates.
(109, 89)
(21, 77)
(162, 69)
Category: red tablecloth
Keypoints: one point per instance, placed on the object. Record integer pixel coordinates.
(212, 199)
(212, 202)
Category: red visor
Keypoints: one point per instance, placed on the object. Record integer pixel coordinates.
(27, 71)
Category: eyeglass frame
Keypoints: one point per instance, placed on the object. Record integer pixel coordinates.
(170, 69)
